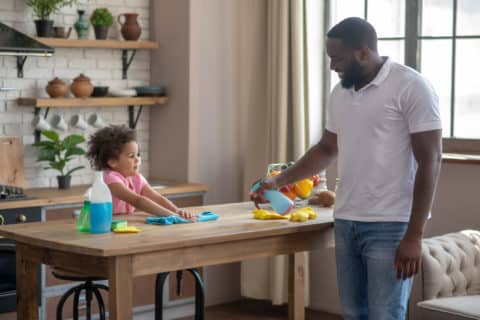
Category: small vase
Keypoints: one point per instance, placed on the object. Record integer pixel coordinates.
(64, 182)
(44, 28)
(101, 32)
(130, 30)
(81, 26)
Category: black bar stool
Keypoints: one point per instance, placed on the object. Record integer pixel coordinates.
(199, 293)
(90, 288)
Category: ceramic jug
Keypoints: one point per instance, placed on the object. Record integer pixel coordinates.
(81, 87)
(130, 30)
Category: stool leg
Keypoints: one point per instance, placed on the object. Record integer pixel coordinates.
(88, 298)
(76, 299)
(62, 302)
(199, 295)
(159, 283)
(101, 305)
(179, 282)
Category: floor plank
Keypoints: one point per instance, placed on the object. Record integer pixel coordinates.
(257, 310)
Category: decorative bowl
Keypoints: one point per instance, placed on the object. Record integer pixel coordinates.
(99, 91)
(150, 91)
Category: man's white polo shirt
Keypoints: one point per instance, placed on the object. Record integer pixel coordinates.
(376, 165)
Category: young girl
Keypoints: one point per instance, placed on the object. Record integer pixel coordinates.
(114, 150)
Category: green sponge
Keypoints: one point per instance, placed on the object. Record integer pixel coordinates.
(119, 224)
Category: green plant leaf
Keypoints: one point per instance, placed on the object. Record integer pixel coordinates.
(72, 140)
(58, 165)
(50, 134)
(46, 155)
(69, 173)
(44, 144)
(74, 151)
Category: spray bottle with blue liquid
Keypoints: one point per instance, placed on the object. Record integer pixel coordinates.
(100, 205)
(278, 201)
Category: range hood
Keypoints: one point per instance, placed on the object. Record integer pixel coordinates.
(15, 43)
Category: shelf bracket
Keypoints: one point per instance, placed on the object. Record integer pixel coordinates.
(126, 61)
(20, 63)
(37, 132)
(132, 119)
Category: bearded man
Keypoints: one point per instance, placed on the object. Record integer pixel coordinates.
(383, 127)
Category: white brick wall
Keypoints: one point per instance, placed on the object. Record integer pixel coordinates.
(101, 65)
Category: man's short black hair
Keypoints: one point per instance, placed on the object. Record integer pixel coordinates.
(354, 33)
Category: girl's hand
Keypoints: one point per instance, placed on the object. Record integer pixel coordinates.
(186, 215)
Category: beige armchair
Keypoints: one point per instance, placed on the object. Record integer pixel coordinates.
(448, 284)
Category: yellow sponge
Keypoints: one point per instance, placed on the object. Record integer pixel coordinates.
(130, 229)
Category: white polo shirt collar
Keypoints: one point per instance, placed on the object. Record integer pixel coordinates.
(379, 78)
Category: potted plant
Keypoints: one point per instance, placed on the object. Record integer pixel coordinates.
(101, 20)
(43, 9)
(58, 152)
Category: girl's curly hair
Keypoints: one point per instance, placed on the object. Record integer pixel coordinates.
(106, 144)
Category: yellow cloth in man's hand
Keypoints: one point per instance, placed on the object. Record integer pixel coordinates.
(299, 215)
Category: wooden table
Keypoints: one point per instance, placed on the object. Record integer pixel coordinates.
(234, 237)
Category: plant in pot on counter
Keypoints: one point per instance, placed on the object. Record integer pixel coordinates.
(101, 20)
(58, 152)
(43, 9)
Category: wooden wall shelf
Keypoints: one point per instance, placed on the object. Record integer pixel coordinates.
(125, 46)
(131, 102)
(90, 102)
(91, 43)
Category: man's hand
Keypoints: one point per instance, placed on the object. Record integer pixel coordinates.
(265, 184)
(407, 258)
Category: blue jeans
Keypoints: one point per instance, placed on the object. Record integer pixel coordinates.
(366, 275)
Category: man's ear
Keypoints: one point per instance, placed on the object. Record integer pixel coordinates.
(362, 54)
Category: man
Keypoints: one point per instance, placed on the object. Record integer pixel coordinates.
(383, 127)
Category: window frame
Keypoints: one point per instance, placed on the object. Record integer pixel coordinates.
(413, 38)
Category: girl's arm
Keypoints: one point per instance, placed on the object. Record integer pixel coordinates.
(156, 197)
(153, 195)
(139, 201)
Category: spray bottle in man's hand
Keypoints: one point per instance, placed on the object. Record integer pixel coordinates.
(279, 202)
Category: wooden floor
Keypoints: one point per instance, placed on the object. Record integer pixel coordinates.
(257, 310)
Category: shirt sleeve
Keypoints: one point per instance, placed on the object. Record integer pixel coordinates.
(110, 176)
(420, 106)
(330, 123)
(142, 182)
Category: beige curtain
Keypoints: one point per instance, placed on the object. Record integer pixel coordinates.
(286, 128)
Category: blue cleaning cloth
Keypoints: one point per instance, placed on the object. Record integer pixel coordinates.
(202, 217)
(207, 216)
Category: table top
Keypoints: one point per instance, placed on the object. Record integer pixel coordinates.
(235, 224)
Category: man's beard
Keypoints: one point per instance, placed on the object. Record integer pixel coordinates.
(352, 75)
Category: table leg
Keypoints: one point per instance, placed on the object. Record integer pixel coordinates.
(27, 284)
(120, 281)
(296, 286)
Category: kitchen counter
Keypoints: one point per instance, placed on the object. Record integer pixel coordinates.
(45, 197)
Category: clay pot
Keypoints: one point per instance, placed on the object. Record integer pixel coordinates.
(130, 30)
(81, 87)
(57, 88)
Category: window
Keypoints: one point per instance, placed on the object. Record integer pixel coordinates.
(440, 38)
